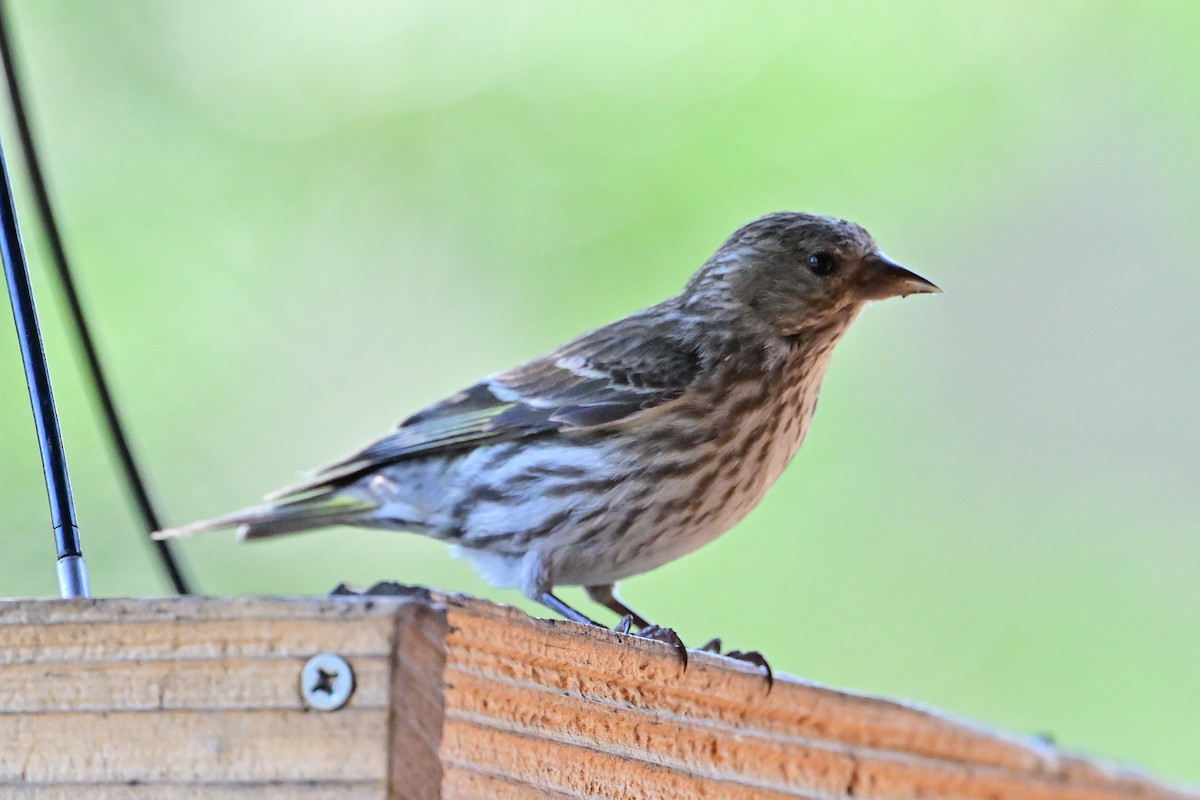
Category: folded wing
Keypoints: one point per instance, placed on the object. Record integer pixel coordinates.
(607, 377)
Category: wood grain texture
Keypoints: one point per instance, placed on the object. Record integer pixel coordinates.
(342, 790)
(418, 712)
(191, 699)
(575, 712)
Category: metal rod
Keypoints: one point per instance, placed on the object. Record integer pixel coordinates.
(72, 571)
(108, 405)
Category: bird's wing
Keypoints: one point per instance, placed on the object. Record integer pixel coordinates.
(605, 377)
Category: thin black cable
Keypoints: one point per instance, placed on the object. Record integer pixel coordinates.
(116, 430)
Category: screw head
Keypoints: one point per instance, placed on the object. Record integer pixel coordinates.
(326, 682)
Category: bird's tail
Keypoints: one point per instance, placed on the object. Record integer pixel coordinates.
(274, 519)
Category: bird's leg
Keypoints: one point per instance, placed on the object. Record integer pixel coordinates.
(537, 584)
(563, 610)
(538, 573)
(606, 595)
(749, 656)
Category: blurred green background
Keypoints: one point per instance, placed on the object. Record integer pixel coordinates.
(295, 223)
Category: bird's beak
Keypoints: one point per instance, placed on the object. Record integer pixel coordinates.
(883, 278)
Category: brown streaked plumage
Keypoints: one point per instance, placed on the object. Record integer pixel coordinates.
(628, 447)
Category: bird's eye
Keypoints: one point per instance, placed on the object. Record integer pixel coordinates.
(822, 263)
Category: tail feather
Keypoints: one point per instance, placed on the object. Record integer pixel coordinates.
(302, 514)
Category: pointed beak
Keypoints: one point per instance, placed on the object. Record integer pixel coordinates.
(883, 278)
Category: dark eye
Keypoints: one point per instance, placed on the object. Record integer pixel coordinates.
(822, 263)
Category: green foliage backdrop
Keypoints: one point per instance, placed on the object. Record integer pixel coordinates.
(296, 222)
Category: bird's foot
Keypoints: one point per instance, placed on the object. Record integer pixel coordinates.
(655, 633)
(380, 589)
(749, 656)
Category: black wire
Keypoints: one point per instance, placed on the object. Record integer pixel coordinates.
(133, 476)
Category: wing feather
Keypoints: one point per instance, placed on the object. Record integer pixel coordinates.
(606, 377)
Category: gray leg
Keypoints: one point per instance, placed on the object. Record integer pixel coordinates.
(562, 609)
(537, 583)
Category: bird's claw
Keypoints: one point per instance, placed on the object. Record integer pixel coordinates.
(380, 589)
(655, 633)
(749, 656)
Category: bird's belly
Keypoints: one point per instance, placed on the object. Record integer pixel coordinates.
(685, 513)
(599, 510)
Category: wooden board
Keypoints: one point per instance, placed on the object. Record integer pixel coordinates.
(457, 698)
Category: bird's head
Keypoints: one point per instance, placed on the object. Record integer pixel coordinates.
(794, 271)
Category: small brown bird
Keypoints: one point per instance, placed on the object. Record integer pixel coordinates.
(627, 447)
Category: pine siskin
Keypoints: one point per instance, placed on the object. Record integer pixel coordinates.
(627, 447)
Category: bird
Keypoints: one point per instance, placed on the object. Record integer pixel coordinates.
(627, 447)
